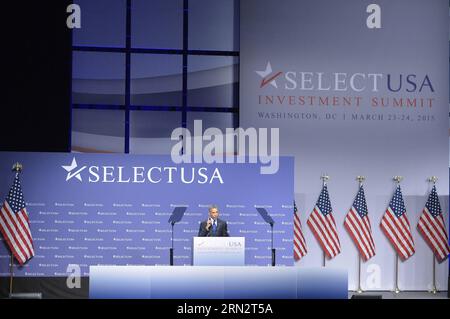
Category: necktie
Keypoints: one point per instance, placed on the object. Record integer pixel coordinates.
(214, 227)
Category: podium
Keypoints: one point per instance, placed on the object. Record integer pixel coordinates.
(219, 251)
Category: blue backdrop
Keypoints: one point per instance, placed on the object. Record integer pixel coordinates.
(102, 209)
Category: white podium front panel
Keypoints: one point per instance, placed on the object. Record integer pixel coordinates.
(219, 251)
(215, 282)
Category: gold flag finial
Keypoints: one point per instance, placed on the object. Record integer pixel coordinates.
(17, 167)
(360, 179)
(325, 178)
(398, 179)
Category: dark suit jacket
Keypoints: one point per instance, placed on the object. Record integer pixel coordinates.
(221, 231)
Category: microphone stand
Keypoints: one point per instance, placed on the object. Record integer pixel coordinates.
(271, 243)
(176, 216)
(171, 249)
(269, 220)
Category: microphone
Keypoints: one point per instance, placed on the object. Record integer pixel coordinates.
(211, 220)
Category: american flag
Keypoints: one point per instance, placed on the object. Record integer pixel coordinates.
(14, 224)
(323, 226)
(358, 225)
(396, 227)
(432, 227)
(299, 241)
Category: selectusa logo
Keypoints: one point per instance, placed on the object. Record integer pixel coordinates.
(268, 77)
(140, 174)
(301, 80)
(73, 171)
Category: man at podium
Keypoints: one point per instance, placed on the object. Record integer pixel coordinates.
(213, 226)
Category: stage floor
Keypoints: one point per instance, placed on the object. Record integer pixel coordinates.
(401, 295)
(384, 294)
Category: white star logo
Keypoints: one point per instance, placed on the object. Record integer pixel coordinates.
(268, 77)
(71, 167)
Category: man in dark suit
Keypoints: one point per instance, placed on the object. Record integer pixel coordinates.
(213, 226)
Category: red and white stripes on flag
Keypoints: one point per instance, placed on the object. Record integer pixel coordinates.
(358, 225)
(323, 226)
(14, 224)
(396, 227)
(432, 227)
(300, 249)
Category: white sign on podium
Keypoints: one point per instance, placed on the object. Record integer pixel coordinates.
(219, 251)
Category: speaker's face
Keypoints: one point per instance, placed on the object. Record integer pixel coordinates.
(214, 213)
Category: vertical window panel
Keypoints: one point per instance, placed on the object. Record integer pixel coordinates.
(150, 131)
(214, 25)
(156, 79)
(102, 23)
(213, 81)
(157, 24)
(96, 131)
(98, 78)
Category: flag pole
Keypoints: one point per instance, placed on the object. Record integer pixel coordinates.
(397, 179)
(324, 178)
(359, 275)
(11, 274)
(360, 180)
(434, 289)
(433, 179)
(17, 167)
(397, 290)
